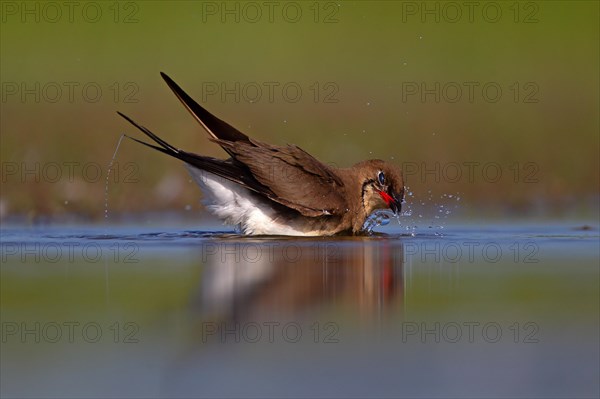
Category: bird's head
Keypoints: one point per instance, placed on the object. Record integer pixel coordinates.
(382, 185)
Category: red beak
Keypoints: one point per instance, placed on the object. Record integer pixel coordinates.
(394, 204)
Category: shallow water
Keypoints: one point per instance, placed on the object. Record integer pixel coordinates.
(480, 310)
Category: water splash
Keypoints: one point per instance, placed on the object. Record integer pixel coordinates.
(106, 264)
(442, 206)
(110, 166)
(377, 218)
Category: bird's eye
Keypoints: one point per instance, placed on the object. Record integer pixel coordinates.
(381, 178)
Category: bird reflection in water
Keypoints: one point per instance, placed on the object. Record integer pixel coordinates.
(267, 279)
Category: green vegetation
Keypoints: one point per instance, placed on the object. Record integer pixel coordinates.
(367, 57)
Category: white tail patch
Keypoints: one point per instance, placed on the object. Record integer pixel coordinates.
(237, 205)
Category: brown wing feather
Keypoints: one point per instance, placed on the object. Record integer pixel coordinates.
(231, 169)
(297, 179)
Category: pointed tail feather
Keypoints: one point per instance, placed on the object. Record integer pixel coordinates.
(225, 169)
(148, 133)
(217, 128)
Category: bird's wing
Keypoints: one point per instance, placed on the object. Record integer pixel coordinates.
(296, 179)
(294, 176)
(309, 198)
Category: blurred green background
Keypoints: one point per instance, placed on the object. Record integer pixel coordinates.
(367, 74)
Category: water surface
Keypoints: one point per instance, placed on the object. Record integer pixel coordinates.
(478, 310)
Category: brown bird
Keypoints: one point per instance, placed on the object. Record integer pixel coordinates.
(281, 190)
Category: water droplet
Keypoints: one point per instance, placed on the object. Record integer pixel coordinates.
(110, 165)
